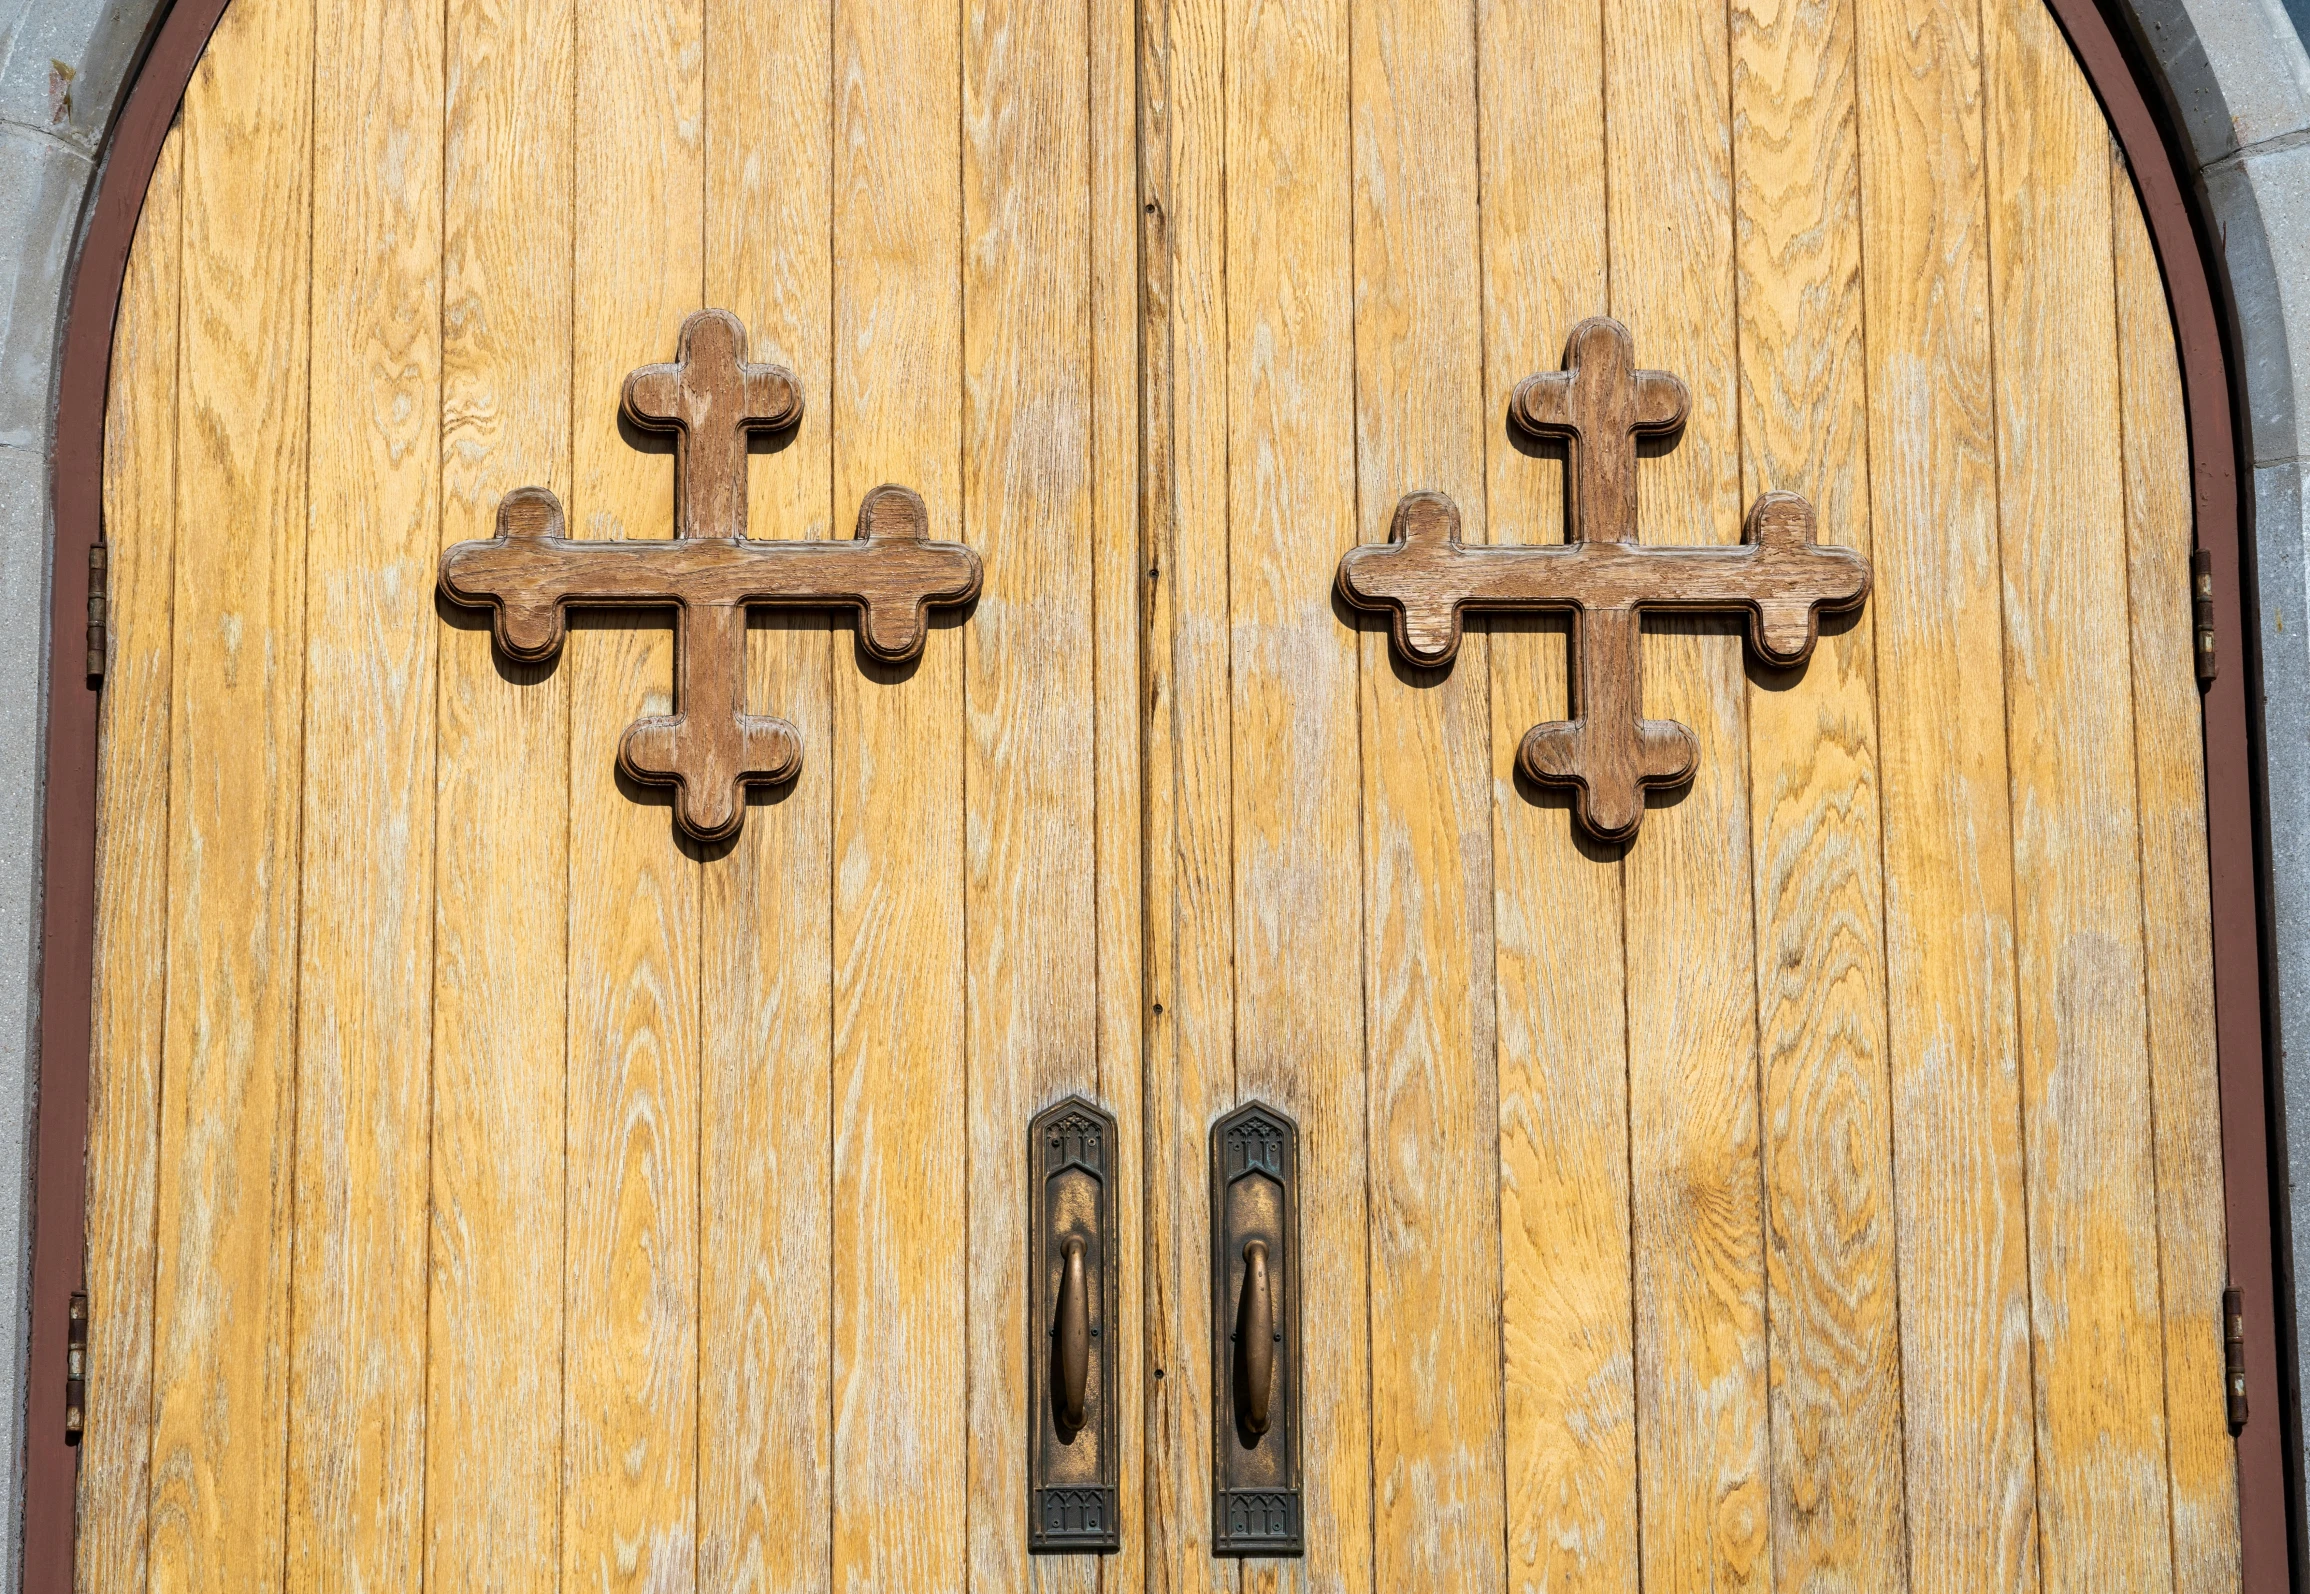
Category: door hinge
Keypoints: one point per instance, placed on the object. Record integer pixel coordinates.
(99, 618)
(76, 1367)
(2202, 612)
(2234, 1355)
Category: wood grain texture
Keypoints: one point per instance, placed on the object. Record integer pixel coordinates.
(1029, 765)
(630, 1380)
(1298, 922)
(531, 573)
(1818, 864)
(765, 997)
(501, 914)
(1962, 1254)
(1695, 1175)
(1429, 1018)
(221, 1328)
(1608, 753)
(132, 798)
(802, 1058)
(901, 1317)
(1117, 575)
(2085, 1074)
(1567, 1369)
(1776, 578)
(709, 747)
(1191, 1072)
(365, 1012)
(711, 400)
(2169, 771)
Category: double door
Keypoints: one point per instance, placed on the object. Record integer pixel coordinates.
(493, 1187)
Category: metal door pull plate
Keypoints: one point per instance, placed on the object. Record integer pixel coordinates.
(1255, 1351)
(1072, 1444)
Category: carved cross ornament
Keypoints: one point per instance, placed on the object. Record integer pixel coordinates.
(1600, 404)
(710, 749)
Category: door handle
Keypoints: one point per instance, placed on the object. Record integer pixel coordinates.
(1070, 1347)
(1254, 1343)
(1074, 1448)
(1256, 1376)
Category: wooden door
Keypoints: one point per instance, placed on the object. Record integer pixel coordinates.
(1822, 1189)
(492, 1189)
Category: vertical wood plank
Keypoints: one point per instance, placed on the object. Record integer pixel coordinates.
(1291, 512)
(1819, 869)
(364, 1015)
(1028, 656)
(766, 978)
(1567, 1348)
(1190, 779)
(228, 1075)
(2085, 1074)
(2169, 766)
(501, 925)
(631, 1378)
(132, 824)
(1962, 1252)
(1116, 576)
(1432, 1066)
(1695, 1176)
(901, 1328)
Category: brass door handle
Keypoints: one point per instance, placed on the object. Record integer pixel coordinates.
(1071, 1346)
(1254, 1342)
(1256, 1291)
(1073, 1451)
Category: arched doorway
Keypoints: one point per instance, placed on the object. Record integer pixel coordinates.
(1345, 876)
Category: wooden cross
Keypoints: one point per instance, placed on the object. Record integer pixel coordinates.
(1609, 753)
(710, 749)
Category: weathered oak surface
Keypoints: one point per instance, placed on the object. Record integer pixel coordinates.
(494, 1187)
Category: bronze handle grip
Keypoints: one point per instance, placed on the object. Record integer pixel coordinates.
(1257, 1361)
(1071, 1347)
(1074, 1452)
(1254, 1342)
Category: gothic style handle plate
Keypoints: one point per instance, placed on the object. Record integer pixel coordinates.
(1255, 1352)
(1071, 1430)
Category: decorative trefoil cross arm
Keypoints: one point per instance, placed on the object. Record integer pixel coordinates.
(1600, 404)
(710, 749)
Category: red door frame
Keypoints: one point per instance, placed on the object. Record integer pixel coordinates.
(69, 839)
(2235, 850)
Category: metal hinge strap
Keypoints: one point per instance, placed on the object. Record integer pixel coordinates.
(2202, 612)
(2234, 1355)
(99, 618)
(76, 1366)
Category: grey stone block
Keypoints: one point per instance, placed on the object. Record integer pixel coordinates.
(2284, 596)
(23, 649)
(2260, 203)
(62, 62)
(2233, 70)
(41, 184)
(2280, 492)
